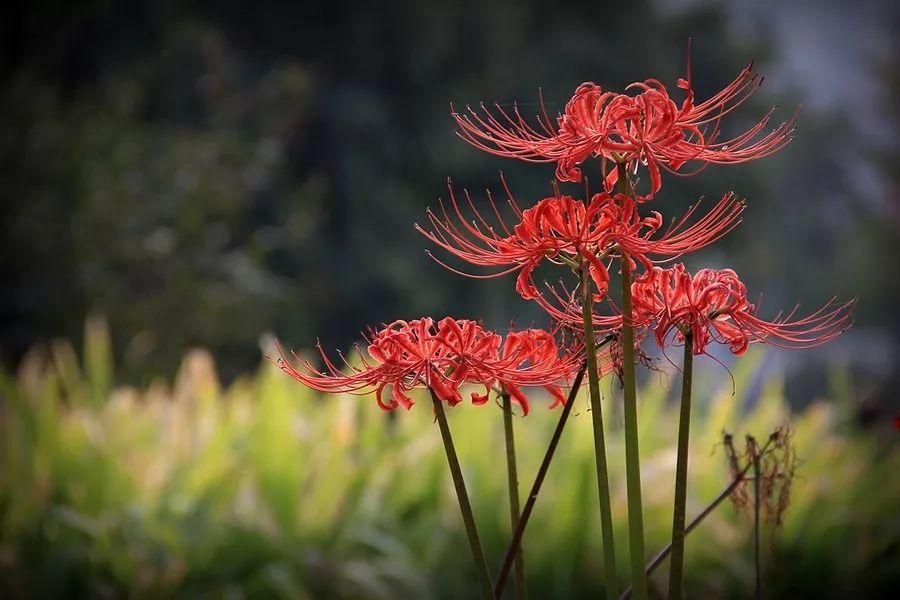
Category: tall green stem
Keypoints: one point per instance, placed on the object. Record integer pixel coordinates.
(484, 574)
(676, 566)
(739, 478)
(665, 552)
(536, 486)
(606, 524)
(513, 480)
(632, 455)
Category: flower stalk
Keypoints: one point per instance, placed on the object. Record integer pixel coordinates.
(606, 525)
(516, 541)
(632, 454)
(640, 128)
(481, 566)
(513, 481)
(676, 565)
(663, 554)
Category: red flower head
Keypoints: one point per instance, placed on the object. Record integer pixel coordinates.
(646, 128)
(560, 229)
(531, 348)
(712, 305)
(443, 356)
(570, 232)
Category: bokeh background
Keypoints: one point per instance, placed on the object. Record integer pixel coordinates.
(208, 175)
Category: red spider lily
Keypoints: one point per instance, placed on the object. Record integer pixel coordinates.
(569, 232)
(535, 347)
(712, 305)
(647, 128)
(443, 356)
(632, 236)
(559, 229)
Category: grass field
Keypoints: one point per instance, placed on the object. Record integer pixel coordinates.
(266, 489)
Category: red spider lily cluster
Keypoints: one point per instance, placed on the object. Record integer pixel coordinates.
(625, 130)
(566, 231)
(646, 128)
(712, 305)
(595, 237)
(443, 356)
(643, 126)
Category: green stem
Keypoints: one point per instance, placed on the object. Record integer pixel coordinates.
(632, 454)
(676, 566)
(513, 480)
(740, 478)
(756, 555)
(484, 575)
(606, 524)
(516, 541)
(665, 552)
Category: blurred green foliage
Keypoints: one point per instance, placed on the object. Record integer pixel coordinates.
(266, 489)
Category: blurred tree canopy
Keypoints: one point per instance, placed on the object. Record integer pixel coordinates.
(203, 173)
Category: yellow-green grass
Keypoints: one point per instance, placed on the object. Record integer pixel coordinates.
(267, 489)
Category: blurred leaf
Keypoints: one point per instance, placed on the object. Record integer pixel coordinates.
(270, 489)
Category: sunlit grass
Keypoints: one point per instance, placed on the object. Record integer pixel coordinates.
(265, 488)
